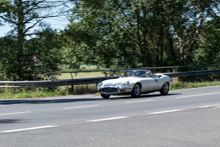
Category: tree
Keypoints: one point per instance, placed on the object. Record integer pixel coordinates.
(99, 40)
(208, 51)
(44, 53)
(157, 32)
(187, 18)
(7, 52)
(23, 16)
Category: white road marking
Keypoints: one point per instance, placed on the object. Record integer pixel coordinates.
(15, 113)
(208, 106)
(198, 95)
(82, 107)
(138, 101)
(162, 112)
(28, 129)
(106, 119)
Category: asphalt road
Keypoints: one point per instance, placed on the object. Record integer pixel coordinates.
(184, 118)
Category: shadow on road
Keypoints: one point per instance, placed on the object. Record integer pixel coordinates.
(143, 96)
(75, 99)
(42, 101)
(6, 121)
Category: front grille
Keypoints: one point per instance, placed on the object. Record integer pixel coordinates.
(109, 90)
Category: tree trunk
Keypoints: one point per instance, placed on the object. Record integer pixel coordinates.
(195, 38)
(20, 36)
(171, 42)
(161, 40)
(181, 50)
(142, 43)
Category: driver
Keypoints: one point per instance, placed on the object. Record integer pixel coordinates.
(148, 74)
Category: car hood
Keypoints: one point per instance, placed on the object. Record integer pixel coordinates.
(116, 82)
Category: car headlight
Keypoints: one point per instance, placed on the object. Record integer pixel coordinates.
(125, 84)
(100, 84)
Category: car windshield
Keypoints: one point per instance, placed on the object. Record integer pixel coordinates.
(134, 73)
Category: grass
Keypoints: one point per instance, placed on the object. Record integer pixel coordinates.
(11, 93)
(65, 67)
(188, 85)
(31, 94)
(81, 75)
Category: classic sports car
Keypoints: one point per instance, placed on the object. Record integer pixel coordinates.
(135, 82)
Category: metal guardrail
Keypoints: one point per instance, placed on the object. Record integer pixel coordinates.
(193, 73)
(48, 83)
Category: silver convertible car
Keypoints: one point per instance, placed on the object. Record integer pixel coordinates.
(135, 82)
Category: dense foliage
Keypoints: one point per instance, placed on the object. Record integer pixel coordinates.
(23, 16)
(145, 33)
(111, 34)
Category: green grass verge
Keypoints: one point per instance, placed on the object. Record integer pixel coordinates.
(11, 93)
(32, 94)
(86, 89)
(188, 85)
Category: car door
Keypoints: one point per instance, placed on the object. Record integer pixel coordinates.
(148, 84)
(158, 82)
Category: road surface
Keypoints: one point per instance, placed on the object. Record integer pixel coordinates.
(184, 117)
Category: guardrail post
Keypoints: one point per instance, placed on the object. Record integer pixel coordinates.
(72, 87)
(48, 77)
(174, 78)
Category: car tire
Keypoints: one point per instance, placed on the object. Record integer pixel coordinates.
(105, 96)
(165, 89)
(136, 91)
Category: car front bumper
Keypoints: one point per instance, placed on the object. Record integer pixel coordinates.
(114, 90)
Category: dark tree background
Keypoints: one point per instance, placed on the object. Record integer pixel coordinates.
(108, 33)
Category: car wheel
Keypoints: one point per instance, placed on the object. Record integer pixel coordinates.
(105, 96)
(165, 89)
(136, 91)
